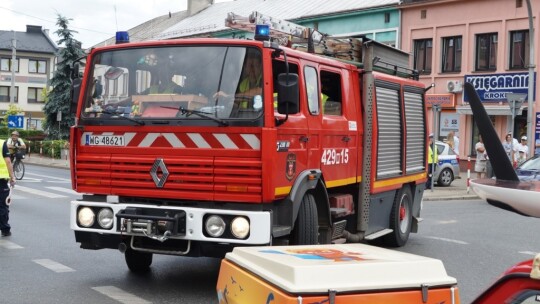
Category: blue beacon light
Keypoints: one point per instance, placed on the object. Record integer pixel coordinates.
(262, 32)
(122, 37)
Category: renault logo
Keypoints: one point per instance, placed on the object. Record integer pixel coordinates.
(158, 169)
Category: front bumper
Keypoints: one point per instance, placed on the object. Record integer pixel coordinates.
(184, 223)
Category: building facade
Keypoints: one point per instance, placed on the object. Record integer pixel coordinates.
(482, 42)
(33, 67)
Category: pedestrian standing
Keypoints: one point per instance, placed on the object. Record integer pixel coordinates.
(432, 161)
(523, 147)
(480, 166)
(7, 181)
(522, 155)
(453, 141)
(508, 145)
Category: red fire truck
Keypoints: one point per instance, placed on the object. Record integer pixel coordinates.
(191, 147)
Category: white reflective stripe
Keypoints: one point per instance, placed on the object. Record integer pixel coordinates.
(149, 139)
(252, 140)
(54, 266)
(120, 295)
(198, 140)
(107, 133)
(225, 141)
(173, 140)
(128, 137)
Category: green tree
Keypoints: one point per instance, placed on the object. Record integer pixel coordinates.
(58, 99)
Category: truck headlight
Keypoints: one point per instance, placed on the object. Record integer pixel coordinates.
(86, 217)
(105, 218)
(215, 226)
(240, 227)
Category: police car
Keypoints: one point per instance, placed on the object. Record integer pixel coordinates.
(448, 165)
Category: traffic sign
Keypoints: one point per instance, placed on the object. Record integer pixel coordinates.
(15, 121)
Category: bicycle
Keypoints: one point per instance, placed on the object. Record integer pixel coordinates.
(18, 165)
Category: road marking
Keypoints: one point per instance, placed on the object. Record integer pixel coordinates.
(447, 240)
(447, 222)
(38, 192)
(9, 245)
(65, 190)
(119, 295)
(52, 265)
(47, 177)
(528, 253)
(30, 180)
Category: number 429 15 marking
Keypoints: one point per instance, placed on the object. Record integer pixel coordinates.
(335, 156)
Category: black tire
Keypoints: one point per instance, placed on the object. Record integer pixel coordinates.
(446, 177)
(138, 261)
(306, 227)
(18, 169)
(400, 219)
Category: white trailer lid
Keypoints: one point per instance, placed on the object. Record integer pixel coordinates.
(346, 267)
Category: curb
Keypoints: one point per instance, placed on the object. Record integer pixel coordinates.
(451, 198)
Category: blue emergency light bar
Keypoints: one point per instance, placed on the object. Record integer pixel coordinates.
(262, 32)
(122, 37)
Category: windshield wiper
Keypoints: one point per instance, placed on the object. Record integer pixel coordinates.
(202, 114)
(139, 122)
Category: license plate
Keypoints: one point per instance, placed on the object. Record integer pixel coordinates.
(105, 140)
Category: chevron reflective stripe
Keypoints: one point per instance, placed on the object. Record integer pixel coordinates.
(252, 140)
(198, 140)
(229, 141)
(225, 141)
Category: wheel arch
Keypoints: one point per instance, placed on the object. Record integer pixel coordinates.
(310, 181)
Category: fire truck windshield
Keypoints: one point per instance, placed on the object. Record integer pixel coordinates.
(217, 83)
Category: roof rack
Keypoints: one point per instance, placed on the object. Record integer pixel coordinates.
(352, 49)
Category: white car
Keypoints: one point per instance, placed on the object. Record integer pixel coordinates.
(447, 166)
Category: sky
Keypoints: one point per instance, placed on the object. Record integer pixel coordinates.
(94, 20)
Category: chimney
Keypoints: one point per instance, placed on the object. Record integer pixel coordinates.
(33, 28)
(195, 6)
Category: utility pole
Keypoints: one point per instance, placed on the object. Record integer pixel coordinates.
(12, 66)
(530, 103)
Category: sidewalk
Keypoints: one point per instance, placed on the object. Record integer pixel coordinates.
(36, 159)
(456, 191)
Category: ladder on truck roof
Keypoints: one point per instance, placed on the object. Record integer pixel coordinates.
(353, 49)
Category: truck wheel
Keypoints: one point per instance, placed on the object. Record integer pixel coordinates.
(400, 219)
(138, 261)
(306, 228)
(445, 177)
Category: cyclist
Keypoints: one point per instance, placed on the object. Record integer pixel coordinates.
(15, 144)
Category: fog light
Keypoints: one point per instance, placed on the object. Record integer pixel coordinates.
(240, 227)
(215, 226)
(105, 218)
(86, 217)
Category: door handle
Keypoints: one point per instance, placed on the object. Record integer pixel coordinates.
(304, 138)
(346, 138)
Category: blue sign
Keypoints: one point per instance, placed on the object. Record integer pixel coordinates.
(494, 87)
(15, 121)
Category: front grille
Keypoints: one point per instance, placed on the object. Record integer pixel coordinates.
(190, 178)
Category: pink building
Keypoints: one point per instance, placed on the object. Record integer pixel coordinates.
(485, 42)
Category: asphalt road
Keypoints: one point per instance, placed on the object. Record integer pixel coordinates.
(41, 263)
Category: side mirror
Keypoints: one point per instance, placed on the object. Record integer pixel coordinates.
(75, 70)
(75, 92)
(287, 89)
